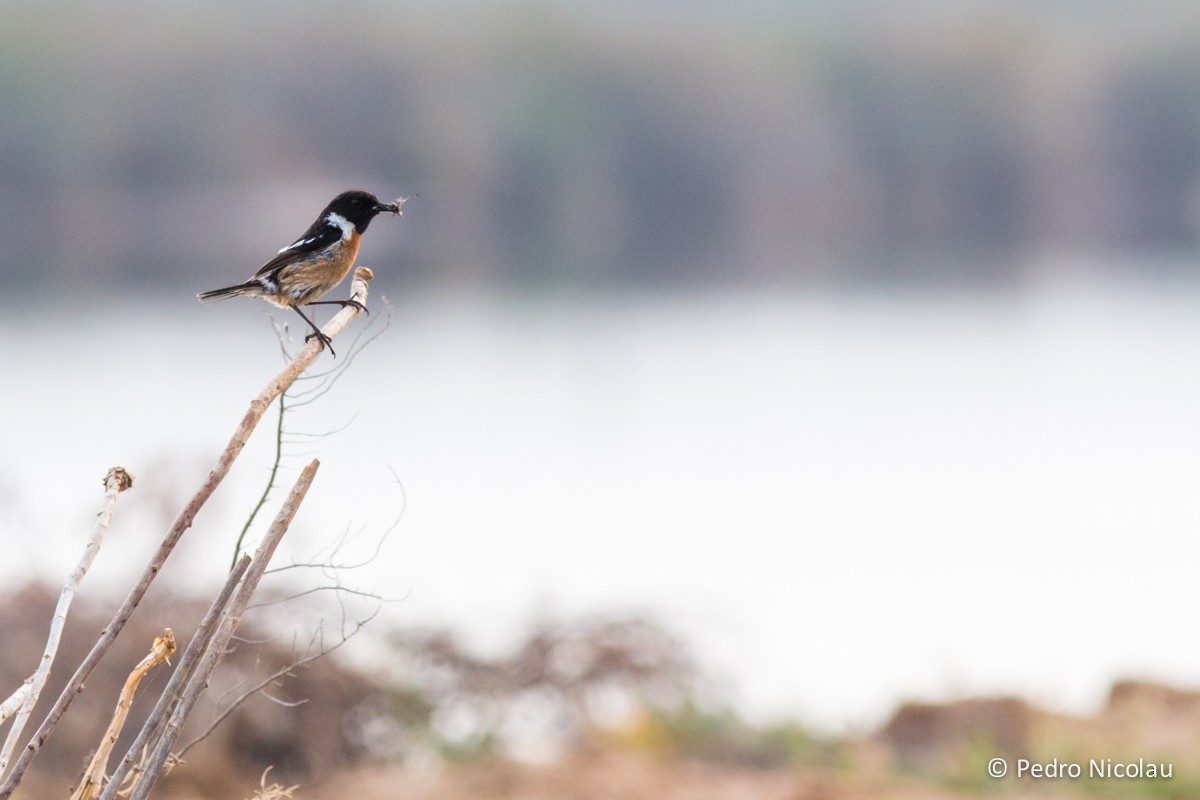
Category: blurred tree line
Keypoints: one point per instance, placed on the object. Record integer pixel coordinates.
(565, 144)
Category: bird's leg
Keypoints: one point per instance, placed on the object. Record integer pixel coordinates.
(342, 303)
(316, 334)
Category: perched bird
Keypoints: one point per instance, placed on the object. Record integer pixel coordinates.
(316, 262)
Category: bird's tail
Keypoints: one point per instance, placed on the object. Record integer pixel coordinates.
(230, 291)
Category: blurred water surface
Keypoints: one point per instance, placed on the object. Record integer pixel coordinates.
(844, 500)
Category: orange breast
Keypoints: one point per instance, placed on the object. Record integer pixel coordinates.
(311, 278)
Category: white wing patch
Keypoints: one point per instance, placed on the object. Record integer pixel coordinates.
(332, 220)
(340, 222)
(296, 244)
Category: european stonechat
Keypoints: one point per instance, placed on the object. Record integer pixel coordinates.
(316, 262)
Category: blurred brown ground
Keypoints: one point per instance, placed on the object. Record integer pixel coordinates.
(623, 776)
(365, 737)
(925, 750)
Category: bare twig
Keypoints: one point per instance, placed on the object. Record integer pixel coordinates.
(323, 381)
(93, 776)
(266, 492)
(336, 587)
(229, 622)
(241, 434)
(116, 481)
(187, 664)
(287, 670)
(335, 546)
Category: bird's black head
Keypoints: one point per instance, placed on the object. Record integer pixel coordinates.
(359, 208)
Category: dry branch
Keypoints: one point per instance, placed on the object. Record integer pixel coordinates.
(15, 700)
(241, 434)
(116, 481)
(162, 649)
(187, 664)
(229, 622)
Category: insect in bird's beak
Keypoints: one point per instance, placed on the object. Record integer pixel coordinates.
(393, 208)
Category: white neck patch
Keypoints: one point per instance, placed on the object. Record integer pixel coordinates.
(338, 221)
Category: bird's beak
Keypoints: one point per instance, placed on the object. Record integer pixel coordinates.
(392, 208)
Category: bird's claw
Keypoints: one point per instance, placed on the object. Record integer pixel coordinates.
(342, 303)
(323, 339)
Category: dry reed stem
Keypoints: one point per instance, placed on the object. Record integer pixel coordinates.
(116, 480)
(163, 647)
